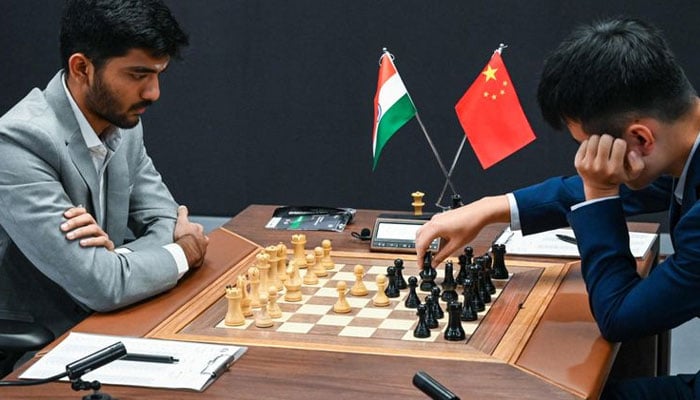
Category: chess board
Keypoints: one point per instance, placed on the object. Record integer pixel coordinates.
(311, 324)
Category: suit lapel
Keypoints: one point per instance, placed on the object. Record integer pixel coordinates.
(80, 156)
(117, 196)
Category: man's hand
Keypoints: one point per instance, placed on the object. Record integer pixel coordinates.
(604, 163)
(81, 225)
(190, 236)
(460, 226)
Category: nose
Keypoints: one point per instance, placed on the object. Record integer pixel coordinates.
(151, 91)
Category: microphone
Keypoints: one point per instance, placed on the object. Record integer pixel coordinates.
(76, 369)
(432, 388)
(365, 234)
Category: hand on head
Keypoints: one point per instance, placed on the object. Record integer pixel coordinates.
(190, 236)
(81, 225)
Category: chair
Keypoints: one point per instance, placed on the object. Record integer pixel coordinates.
(17, 338)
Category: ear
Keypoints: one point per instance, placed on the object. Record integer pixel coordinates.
(640, 137)
(80, 68)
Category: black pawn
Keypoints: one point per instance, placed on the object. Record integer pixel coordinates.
(456, 201)
(499, 263)
(477, 300)
(428, 273)
(422, 330)
(462, 274)
(430, 318)
(454, 331)
(400, 281)
(488, 273)
(391, 289)
(412, 300)
(483, 291)
(448, 284)
(439, 314)
(468, 312)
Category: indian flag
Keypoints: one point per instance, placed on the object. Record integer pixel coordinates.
(393, 106)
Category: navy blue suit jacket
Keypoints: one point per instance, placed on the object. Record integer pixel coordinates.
(624, 305)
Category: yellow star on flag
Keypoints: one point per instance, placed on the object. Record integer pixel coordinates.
(490, 73)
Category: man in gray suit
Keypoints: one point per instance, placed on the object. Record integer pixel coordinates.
(86, 223)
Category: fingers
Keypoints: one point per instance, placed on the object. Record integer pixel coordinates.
(182, 214)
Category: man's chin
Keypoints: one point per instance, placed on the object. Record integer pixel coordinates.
(127, 123)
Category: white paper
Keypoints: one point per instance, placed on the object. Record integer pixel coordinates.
(199, 363)
(548, 244)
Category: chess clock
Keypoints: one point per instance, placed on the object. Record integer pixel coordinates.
(396, 234)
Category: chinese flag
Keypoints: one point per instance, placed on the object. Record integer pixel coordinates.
(491, 115)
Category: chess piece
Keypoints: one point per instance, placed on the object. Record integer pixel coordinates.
(400, 281)
(262, 317)
(327, 261)
(454, 331)
(234, 314)
(428, 273)
(299, 252)
(412, 300)
(463, 267)
(456, 201)
(242, 284)
(483, 291)
(417, 202)
(430, 317)
(499, 264)
(477, 301)
(319, 269)
(380, 299)
(439, 314)
(273, 261)
(422, 330)
(449, 284)
(262, 262)
(282, 262)
(293, 284)
(468, 312)
(341, 306)
(391, 289)
(273, 309)
(254, 277)
(359, 288)
(488, 273)
(310, 277)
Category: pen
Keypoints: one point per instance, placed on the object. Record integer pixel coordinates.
(150, 358)
(567, 239)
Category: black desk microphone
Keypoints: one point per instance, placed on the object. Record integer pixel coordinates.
(365, 234)
(432, 388)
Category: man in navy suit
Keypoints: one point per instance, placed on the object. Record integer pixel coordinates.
(618, 89)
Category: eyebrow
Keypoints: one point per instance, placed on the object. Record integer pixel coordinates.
(147, 70)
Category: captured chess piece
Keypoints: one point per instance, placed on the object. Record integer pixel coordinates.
(428, 273)
(417, 202)
(342, 306)
(499, 263)
(380, 299)
(359, 288)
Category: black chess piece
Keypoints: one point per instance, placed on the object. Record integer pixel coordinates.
(439, 314)
(488, 273)
(454, 331)
(449, 284)
(428, 273)
(468, 312)
(499, 263)
(462, 274)
(477, 300)
(483, 290)
(422, 330)
(391, 289)
(412, 300)
(400, 281)
(456, 201)
(430, 317)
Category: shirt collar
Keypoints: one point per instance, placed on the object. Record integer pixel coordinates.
(680, 185)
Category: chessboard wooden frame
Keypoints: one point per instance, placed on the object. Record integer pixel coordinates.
(500, 337)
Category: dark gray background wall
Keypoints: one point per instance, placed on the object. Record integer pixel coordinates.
(273, 101)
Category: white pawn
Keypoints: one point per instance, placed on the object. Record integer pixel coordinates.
(310, 277)
(359, 288)
(254, 277)
(342, 306)
(262, 318)
(319, 269)
(272, 307)
(234, 315)
(262, 262)
(282, 262)
(326, 260)
(380, 299)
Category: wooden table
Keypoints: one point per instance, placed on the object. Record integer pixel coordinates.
(551, 349)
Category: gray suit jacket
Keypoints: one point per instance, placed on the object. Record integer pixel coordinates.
(45, 168)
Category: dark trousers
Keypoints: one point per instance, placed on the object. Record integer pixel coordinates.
(663, 387)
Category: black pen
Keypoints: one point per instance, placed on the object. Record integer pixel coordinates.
(150, 358)
(567, 239)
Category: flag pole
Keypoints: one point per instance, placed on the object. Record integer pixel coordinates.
(437, 156)
(452, 168)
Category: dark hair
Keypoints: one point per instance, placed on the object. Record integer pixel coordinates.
(607, 74)
(103, 29)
